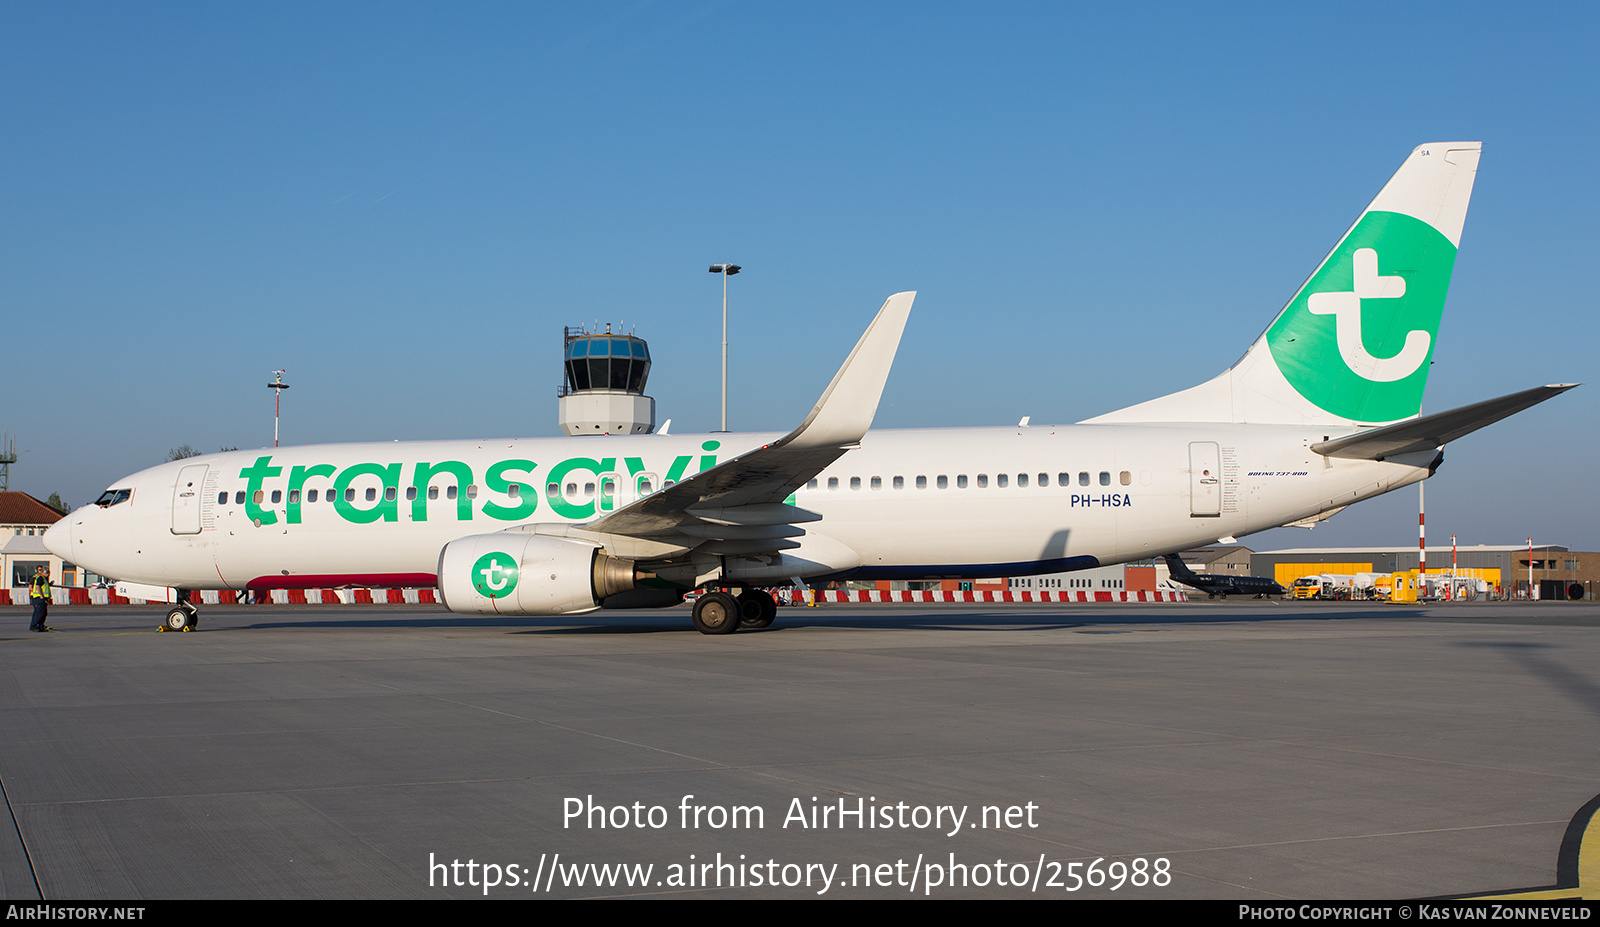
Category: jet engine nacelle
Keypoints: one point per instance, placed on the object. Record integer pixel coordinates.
(512, 573)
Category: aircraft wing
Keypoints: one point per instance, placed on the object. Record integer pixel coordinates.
(739, 505)
(1432, 431)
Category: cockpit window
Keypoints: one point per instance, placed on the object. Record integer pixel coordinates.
(112, 497)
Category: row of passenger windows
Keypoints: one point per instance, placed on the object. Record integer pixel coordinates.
(371, 495)
(390, 493)
(1001, 480)
(646, 486)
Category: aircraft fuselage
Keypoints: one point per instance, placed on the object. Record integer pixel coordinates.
(925, 503)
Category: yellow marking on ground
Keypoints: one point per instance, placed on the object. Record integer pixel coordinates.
(1589, 861)
(1588, 887)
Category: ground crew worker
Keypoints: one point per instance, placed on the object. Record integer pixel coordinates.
(39, 594)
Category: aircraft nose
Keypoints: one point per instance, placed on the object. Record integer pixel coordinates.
(58, 538)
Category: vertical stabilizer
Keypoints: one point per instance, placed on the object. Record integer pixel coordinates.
(1354, 344)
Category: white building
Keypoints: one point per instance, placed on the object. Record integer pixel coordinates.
(23, 520)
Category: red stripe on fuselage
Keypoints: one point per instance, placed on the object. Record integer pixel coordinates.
(336, 580)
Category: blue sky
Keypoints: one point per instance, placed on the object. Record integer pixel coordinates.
(402, 204)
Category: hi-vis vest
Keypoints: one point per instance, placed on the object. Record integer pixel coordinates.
(40, 587)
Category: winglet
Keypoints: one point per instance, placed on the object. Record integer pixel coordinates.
(845, 411)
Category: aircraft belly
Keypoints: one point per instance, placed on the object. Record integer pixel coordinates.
(360, 554)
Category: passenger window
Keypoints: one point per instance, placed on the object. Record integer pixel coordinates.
(983, 481)
(943, 482)
(1044, 480)
(552, 490)
(372, 494)
(899, 482)
(1063, 479)
(877, 483)
(294, 497)
(259, 496)
(1022, 480)
(855, 482)
(1105, 478)
(646, 487)
(389, 493)
(472, 491)
(811, 485)
(922, 482)
(222, 498)
(311, 495)
(411, 493)
(961, 481)
(1125, 478)
(238, 498)
(833, 483)
(350, 494)
(1000, 480)
(277, 496)
(588, 490)
(450, 492)
(1083, 478)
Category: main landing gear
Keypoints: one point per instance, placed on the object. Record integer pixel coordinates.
(757, 609)
(183, 617)
(720, 612)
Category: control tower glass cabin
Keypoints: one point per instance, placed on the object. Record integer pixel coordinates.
(603, 388)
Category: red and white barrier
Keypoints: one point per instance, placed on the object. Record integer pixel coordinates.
(985, 596)
(430, 596)
(75, 596)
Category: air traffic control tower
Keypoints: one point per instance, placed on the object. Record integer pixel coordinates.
(603, 388)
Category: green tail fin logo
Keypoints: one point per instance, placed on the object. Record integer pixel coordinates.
(1358, 338)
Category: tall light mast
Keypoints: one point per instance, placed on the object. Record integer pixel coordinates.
(277, 386)
(726, 270)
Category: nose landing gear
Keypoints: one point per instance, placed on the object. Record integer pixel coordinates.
(183, 617)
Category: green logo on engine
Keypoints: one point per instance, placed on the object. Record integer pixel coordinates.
(495, 575)
(1358, 337)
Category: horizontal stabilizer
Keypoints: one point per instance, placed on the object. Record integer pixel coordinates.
(1431, 431)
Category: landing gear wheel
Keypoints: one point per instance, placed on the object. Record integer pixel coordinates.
(183, 616)
(716, 613)
(757, 609)
(180, 619)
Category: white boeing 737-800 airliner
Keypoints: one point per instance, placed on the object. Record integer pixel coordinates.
(1320, 412)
